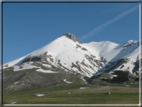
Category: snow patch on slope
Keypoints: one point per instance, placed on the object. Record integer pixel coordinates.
(65, 80)
(24, 66)
(12, 63)
(46, 71)
(48, 66)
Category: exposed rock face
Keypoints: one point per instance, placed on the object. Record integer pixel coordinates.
(72, 37)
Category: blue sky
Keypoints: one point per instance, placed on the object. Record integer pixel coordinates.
(29, 26)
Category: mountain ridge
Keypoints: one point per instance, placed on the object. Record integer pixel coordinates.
(73, 55)
(66, 61)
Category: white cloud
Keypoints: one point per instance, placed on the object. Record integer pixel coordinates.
(109, 22)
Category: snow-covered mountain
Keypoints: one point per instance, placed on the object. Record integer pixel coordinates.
(86, 59)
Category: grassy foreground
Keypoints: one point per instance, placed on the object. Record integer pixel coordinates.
(75, 95)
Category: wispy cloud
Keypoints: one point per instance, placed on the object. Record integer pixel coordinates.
(109, 22)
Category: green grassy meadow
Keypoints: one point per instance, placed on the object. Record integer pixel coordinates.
(60, 95)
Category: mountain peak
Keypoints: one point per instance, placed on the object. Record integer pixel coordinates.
(72, 37)
(69, 35)
(130, 42)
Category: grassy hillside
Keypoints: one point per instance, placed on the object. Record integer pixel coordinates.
(31, 79)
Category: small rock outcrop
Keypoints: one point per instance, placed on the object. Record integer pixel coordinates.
(72, 37)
